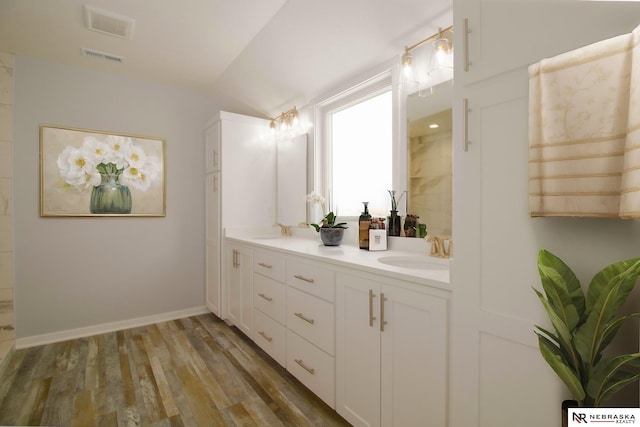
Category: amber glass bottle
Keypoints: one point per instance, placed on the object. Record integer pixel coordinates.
(363, 227)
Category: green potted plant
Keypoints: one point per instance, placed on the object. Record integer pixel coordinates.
(331, 233)
(584, 325)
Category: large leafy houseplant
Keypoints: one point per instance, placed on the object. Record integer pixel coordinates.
(583, 326)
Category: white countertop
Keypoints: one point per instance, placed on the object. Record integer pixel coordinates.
(350, 256)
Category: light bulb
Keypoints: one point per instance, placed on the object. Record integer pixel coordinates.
(441, 53)
(406, 65)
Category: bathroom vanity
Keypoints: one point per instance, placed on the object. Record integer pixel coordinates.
(365, 331)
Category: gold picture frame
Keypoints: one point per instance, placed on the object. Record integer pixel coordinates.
(95, 173)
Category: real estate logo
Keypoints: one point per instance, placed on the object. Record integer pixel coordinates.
(595, 416)
(580, 417)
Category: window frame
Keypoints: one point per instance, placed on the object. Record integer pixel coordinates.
(355, 94)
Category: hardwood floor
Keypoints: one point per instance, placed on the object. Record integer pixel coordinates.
(189, 372)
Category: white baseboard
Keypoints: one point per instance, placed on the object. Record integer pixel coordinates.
(106, 327)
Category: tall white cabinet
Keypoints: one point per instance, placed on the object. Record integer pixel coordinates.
(498, 374)
(240, 185)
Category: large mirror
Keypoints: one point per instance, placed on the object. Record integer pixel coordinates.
(429, 158)
(291, 176)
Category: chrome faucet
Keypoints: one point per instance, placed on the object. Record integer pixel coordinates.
(285, 230)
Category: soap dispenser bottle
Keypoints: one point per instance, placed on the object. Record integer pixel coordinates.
(363, 227)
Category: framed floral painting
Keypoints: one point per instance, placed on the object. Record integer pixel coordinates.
(92, 173)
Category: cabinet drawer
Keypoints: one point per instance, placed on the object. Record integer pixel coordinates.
(311, 278)
(311, 318)
(269, 297)
(313, 367)
(269, 264)
(270, 336)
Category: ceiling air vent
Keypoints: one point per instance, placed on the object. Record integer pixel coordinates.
(101, 55)
(108, 23)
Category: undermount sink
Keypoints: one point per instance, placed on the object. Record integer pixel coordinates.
(413, 262)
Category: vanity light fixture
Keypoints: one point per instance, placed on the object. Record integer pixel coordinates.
(285, 122)
(440, 58)
(406, 63)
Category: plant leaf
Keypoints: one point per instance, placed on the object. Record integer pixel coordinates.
(615, 386)
(612, 285)
(548, 333)
(331, 218)
(551, 354)
(609, 275)
(555, 341)
(611, 329)
(564, 336)
(562, 289)
(608, 377)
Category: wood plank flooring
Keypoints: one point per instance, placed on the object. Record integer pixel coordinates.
(196, 371)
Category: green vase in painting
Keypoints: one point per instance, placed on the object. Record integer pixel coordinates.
(110, 197)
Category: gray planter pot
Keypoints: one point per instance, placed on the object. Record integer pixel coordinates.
(331, 236)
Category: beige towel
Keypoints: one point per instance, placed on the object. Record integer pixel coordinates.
(584, 131)
(630, 193)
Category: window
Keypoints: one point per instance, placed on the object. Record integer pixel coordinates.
(359, 142)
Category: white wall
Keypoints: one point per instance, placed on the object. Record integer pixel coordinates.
(79, 272)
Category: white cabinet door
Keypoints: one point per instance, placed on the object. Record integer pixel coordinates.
(392, 351)
(213, 243)
(358, 350)
(414, 352)
(240, 288)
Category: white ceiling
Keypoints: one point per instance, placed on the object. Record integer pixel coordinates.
(251, 56)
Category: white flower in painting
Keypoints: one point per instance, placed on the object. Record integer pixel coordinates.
(135, 157)
(118, 147)
(143, 175)
(114, 155)
(153, 168)
(96, 149)
(77, 168)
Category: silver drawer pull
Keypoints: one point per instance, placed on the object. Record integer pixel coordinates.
(306, 368)
(265, 336)
(306, 279)
(265, 297)
(262, 264)
(306, 319)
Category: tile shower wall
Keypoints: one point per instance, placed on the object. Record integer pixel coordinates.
(430, 172)
(7, 332)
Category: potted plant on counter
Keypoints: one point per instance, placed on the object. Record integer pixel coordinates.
(583, 327)
(331, 233)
